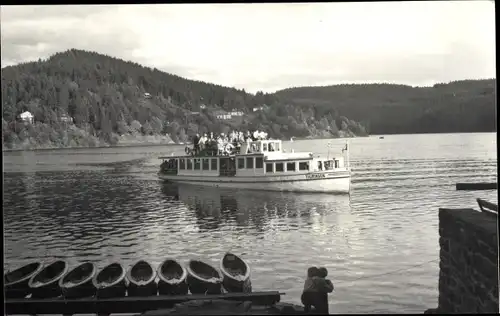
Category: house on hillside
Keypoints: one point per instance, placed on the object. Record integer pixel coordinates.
(203, 106)
(235, 112)
(147, 95)
(259, 108)
(66, 118)
(26, 117)
(222, 115)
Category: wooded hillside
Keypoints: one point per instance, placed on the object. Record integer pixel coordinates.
(110, 98)
(460, 106)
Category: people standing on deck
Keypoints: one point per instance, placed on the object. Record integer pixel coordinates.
(202, 142)
(196, 145)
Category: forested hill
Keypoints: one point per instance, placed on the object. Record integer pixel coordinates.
(460, 106)
(113, 101)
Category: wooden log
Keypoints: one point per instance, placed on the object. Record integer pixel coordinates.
(476, 186)
(125, 304)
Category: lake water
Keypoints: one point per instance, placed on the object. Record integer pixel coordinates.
(380, 244)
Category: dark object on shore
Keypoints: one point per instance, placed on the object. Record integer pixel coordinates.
(477, 186)
(203, 278)
(141, 277)
(381, 137)
(45, 284)
(487, 207)
(172, 277)
(127, 305)
(110, 281)
(236, 274)
(16, 281)
(78, 282)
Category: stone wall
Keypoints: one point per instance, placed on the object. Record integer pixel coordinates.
(468, 277)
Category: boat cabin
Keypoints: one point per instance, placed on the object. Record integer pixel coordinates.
(257, 158)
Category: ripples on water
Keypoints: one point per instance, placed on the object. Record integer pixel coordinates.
(89, 205)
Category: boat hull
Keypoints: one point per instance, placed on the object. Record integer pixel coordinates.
(111, 290)
(235, 286)
(200, 285)
(149, 289)
(170, 286)
(136, 273)
(16, 282)
(50, 288)
(197, 286)
(333, 182)
(178, 288)
(85, 287)
(230, 283)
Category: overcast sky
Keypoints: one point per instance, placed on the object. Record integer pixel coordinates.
(270, 46)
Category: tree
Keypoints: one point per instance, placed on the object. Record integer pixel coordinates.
(135, 126)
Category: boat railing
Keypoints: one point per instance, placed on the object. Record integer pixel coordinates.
(227, 173)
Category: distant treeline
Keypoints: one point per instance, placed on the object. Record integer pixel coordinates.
(108, 97)
(456, 107)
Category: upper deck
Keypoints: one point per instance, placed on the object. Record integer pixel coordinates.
(272, 149)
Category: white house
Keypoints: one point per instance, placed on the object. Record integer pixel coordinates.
(26, 117)
(66, 118)
(147, 95)
(222, 115)
(235, 112)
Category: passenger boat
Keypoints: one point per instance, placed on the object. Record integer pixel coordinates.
(16, 281)
(203, 278)
(261, 165)
(141, 277)
(110, 281)
(78, 282)
(172, 277)
(236, 274)
(45, 284)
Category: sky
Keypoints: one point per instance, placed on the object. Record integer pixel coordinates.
(270, 46)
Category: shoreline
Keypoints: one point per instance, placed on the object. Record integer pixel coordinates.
(146, 144)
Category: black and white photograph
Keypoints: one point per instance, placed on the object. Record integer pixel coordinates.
(250, 158)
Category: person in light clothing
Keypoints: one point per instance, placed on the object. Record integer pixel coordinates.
(202, 142)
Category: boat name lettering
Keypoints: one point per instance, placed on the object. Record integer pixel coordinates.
(315, 176)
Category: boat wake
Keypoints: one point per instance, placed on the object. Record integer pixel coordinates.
(115, 165)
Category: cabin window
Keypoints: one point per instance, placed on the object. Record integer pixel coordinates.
(329, 165)
(279, 167)
(264, 147)
(259, 163)
(277, 147)
(214, 164)
(182, 164)
(271, 147)
(197, 164)
(206, 164)
(290, 166)
(269, 167)
(304, 165)
(241, 163)
(249, 162)
(336, 163)
(255, 148)
(189, 164)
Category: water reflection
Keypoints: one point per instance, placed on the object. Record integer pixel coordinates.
(216, 208)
